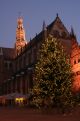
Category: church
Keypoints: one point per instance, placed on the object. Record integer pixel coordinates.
(17, 64)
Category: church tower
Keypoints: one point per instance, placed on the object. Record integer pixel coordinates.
(20, 35)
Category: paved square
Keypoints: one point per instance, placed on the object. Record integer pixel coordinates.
(25, 114)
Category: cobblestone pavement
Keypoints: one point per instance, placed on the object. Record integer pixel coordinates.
(27, 114)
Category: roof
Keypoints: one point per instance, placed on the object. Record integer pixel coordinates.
(57, 25)
(55, 28)
(8, 53)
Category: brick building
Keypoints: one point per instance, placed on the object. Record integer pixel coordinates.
(17, 64)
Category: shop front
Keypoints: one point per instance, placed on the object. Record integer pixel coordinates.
(14, 99)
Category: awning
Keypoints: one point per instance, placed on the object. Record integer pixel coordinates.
(14, 95)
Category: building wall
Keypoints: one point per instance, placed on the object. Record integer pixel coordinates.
(75, 64)
(18, 72)
(6, 69)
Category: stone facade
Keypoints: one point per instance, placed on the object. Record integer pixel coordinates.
(75, 64)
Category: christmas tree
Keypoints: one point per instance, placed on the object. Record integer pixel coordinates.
(53, 76)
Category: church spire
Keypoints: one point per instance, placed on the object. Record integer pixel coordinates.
(74, 42)
(44, 31)
(72, 34)
(44, 26)
(57, 15)
(20, 35)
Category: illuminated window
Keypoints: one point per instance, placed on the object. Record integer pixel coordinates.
(19, 101)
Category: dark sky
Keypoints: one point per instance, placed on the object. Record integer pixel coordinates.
(34, 13)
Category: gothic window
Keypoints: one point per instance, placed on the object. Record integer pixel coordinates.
(22, 38)
(29, 58)
(74, 61)
(78, 60)
(10, 65)
(24, 60)
(30, 80)
(21, 28)
(34, 54)
(23, 85)
(18, 27)
(6, 65)
(20, 62)
(16, 64)
(78, 72)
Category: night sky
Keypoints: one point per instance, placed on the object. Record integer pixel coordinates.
(34, 12)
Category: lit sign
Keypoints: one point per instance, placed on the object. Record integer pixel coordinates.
(19, 100)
